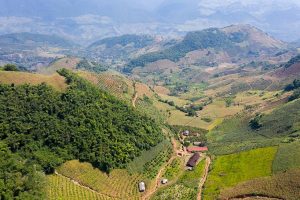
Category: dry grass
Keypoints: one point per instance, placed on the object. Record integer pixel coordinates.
(67, 62)
(218, 109)
(161, 90)
(118, 184)
(179, 118)
(19, 78)
(178, 101)
(142, 89)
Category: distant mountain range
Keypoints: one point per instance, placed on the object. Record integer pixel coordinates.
(87, 21)
(235, 43)
(30, 40)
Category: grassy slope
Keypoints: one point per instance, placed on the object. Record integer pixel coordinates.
(283, 185)
(19, 78)
(287, 157)
(234, 134)
(230, 170)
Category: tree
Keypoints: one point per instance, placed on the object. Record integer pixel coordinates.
(255, 123)
(10, 67)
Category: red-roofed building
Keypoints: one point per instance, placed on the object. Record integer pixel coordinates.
(196, 149)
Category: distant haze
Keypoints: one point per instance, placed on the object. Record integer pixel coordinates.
(89, 20)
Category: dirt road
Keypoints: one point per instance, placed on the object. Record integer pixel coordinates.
(203, 179)
(158, 177)
(134, 99)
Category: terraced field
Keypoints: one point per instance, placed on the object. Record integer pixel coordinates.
(111, 82)
(62, 188)
(118, 184)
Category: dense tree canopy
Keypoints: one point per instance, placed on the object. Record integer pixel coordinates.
(19, 179)
(82, 123)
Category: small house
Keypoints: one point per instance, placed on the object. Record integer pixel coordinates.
(193, 160)
(164, 181)
(186, 133)
(142, 187)
(194, 149)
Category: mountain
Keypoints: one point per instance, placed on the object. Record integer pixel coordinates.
(121, 48)
(238, 41)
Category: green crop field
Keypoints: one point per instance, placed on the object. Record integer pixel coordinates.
(173, 170)
(61, 188)
(287, 157)
(176, 192)
(230, 170)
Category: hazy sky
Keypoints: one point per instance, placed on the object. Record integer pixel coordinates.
(101, 18)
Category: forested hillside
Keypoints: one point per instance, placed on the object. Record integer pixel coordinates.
(82, 123)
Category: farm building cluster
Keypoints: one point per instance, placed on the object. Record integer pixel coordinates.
(193, 143)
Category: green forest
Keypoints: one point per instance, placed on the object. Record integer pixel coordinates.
(46, 127)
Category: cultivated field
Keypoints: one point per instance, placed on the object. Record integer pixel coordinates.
(111, 82)
(229, 170)
(118, 184)
(186, 187)
(287, 157)
(61, 188)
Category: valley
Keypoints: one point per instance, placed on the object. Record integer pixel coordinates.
(211, 115)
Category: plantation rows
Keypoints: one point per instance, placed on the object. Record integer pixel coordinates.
(137, 165)
(150, 110)
(113, 84)
(118, 184)
(61, 188)
(152, 167)
(173, 169)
